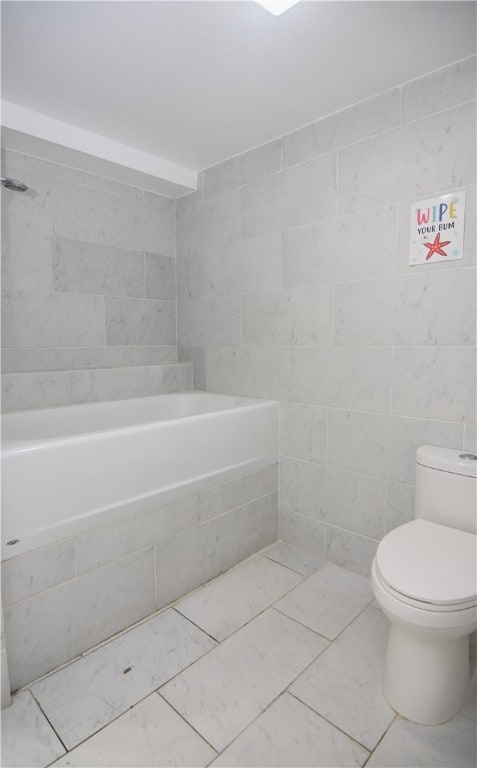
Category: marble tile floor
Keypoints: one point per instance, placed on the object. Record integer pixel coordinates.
(275, 663)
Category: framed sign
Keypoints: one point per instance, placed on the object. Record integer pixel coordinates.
(437, 229)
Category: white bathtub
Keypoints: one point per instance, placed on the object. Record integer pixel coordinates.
(69, 469)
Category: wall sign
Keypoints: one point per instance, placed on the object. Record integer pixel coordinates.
(437, 229)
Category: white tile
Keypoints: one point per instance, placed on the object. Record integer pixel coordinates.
(86, 695)
(437, 383)
(431, 309)
(350, 550)
(142, 225)
(99, 357)
(345, 499)
(88, 609)
(177, 377)
(38, 570)
(244, 371)
(209, 321)
(408, 744)
(222, 693)
(263, 522)
(220, 498)
(116, 383)
(84, 179)
(290, 734)
(190, 269)
(303, 532)
(208, 223)
(244, 266)
(196, 355)
(149, 734)
(14, 360)
(420, 158)
(301, 316)
(230, 601)
(327, 601)
(26, 258)
(160, 276)
(399, 504)
(304, 563)
(385, 446)
(367, 118)
(290, 198)
(344, 684)
(34, 390)
(303, 430)
(27, 737)
(160, 353)
(337, 377)
(470, 438)
(439, 90)
(140, 321)
(243, 168)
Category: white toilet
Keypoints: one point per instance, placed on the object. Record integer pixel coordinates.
(424, 578)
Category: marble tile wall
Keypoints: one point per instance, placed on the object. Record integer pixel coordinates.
(101, 581)
(294, 284)
(89, 289)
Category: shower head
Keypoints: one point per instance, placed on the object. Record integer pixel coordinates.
(13, 184)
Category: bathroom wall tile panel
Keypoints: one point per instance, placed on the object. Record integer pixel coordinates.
(216, 321)
(53, 207)
(160, 354)
(420, 309)
(143, 226)
(99, 357)
(195, 556)
(84, 179)
(399, 504)
(191, 322)
(440, 90)
(364, 119)
(382, 445)
(26, 258)
(113, 541)
(160, 277)
(190, 276)
(192, 197)
(90, 268)
(14, 360)
(217, 499)
(195, 355)
(12, 159)
(302, 316)
(243, 168)
(344, 248)
(303, 432)
(177, 377)
(303, 532)
(245, 266)
(37, 319)
(470, 236)
(420, 158)
(346, 499)
(36, 571)
(248, 371)
(293, 197)
(470, 438)
(116, 383)
(21, 391)
(337, 377)
(138, 322)
(93, 607)
(353, 552)
(263, 522)
(208, 223)
(434, 383)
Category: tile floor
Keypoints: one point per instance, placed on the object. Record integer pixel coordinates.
(275, 663)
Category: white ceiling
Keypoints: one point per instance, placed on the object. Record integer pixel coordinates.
(196, 82)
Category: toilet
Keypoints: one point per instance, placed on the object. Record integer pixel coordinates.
(424, 579)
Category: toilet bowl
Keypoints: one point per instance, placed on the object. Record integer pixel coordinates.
(424, 579)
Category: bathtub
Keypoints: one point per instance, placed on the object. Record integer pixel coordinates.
(69, 469)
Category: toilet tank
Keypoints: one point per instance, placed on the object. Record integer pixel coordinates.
(446, 481)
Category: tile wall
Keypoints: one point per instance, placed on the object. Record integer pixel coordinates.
(294, 284)
(89, 289)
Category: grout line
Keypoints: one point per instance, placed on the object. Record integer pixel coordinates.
(48, 720)
(395, 718)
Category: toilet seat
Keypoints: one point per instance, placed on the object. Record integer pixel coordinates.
(429, 566)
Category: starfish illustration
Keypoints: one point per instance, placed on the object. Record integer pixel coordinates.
(436, 246)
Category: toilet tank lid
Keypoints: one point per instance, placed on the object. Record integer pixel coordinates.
(447, 460)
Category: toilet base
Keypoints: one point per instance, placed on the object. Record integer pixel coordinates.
(425, 681)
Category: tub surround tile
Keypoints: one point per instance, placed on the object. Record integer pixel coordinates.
(258, 662)
(160, 277)
(303, 431)
(244, 266)
(350, 550)
(28, 574)
(139, 321)
(21, 391)
(336, 376)
(263, 522)
(89, 268)
(353, 501)
(217, 499)
(150, 733)
(177, 377)
(26, 258)
(243, 168)
(27, 737)
(364, 119)
(327, 601)
(145, 226)
(83, 697)
(290, 198)
(470, 438)
(217, 319)
(27, 360)
(190, 269)
(92, 607)
(225, 605)
(304, 532)
(10, 159)
(344, 684)
(290, 734)
(115, 383)
(195, 355)
(246, 371)
(207, 223)
(158, 354)
(440, 90)
(420, 158)
(192, 197)
(297, 560)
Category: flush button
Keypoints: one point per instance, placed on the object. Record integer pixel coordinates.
(470, 456)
